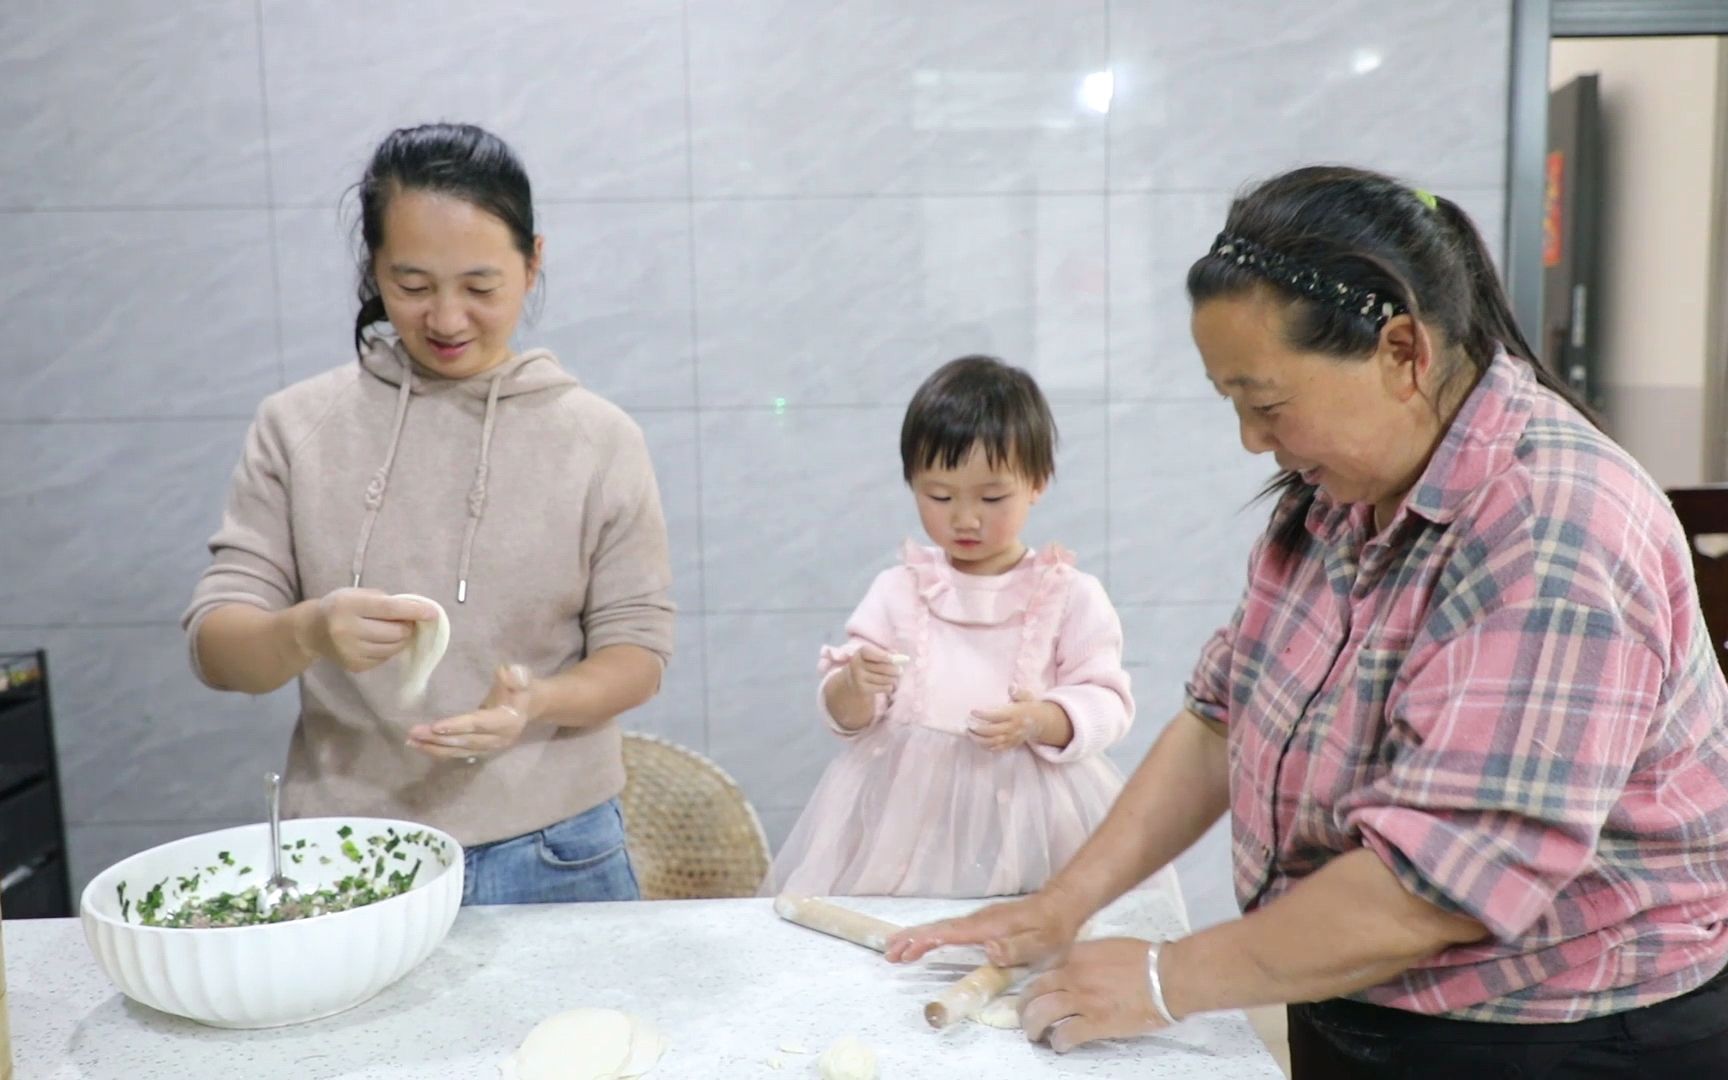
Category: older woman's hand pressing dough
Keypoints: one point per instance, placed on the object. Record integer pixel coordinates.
(1099, 991)
(1032, 931)
(360, 628)
(496, 725)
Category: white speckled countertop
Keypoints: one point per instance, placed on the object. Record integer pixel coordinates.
(725, 980)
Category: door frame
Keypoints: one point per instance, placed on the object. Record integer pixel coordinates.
(1535, 23)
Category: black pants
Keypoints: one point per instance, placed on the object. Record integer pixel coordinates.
(1684, 1038)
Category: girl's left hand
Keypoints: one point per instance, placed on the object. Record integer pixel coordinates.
(495, 726)
(1011, 725)
(1100, 991)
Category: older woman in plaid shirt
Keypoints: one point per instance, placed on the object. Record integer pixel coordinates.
(1466, 720)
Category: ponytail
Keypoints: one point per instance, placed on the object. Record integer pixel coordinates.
(1492, 323)
(371, 312)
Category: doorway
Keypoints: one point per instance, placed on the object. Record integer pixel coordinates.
(1617, 255)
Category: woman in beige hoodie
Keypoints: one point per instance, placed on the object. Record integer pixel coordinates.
(445, 464)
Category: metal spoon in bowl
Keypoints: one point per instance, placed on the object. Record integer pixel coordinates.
(278, 890)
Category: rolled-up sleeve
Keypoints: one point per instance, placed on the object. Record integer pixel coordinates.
(252, 551)
(629, 598)
(1207, 691)
(1513, 742)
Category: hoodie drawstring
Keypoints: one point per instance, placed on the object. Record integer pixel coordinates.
(477, 494)
(381, 479)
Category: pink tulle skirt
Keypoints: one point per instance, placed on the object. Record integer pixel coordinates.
(908, 810)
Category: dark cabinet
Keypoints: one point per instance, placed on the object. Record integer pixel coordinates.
(34, 879)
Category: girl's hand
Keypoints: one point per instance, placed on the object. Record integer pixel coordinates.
(359, 628)
(1027, 720)
(1099, 991)
(872, 671)
(495, 726)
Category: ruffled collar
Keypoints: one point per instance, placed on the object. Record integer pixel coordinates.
(1038, 581)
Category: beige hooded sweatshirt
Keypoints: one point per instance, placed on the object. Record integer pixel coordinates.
(522, 503)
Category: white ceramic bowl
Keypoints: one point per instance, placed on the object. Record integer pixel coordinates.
(276, 973)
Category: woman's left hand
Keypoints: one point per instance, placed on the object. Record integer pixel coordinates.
(1099, 991)
(496, 725)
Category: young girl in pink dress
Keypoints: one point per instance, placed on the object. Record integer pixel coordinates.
(980, 683)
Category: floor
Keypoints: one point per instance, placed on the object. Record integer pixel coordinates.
(1269, 1023)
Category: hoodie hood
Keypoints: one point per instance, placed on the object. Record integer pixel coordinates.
(386, 360)
(523, 373)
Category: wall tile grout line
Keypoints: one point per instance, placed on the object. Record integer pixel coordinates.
(270, 199)
(669, 200)
(630, 406)
(695, 355)
(1109, 575)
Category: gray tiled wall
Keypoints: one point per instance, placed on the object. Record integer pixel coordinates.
(766, 220)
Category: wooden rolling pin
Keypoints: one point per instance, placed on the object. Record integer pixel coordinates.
(954, 1004)
(834, 920)
(966, 997)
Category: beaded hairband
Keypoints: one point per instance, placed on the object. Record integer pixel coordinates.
(1282, 270)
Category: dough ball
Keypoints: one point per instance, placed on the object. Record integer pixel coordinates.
(1003, 1012)
(847, 1059)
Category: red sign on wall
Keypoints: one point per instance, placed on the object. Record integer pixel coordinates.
(1553, 209)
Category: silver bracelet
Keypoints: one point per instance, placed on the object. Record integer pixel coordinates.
(1156, 984)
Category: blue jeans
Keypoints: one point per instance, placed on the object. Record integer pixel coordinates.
(577, 859)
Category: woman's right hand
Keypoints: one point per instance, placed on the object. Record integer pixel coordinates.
(359, 628)
(872, 671)
(1034, 931)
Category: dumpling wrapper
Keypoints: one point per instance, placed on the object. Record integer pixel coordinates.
(586, 1044)
(425, 649)
(646, 1046)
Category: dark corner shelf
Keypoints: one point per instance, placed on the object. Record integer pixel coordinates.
(34, 873)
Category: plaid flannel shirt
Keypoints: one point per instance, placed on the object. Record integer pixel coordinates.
(1509, 695)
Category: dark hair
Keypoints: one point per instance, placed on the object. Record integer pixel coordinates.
(1361, 231)
(979, 401)
(459, 160)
